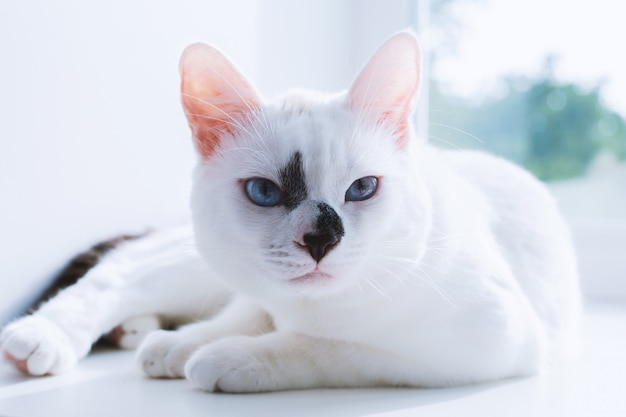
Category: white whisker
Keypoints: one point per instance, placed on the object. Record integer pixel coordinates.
(456, 129)
(444, 141)
(379, 288)
(412, 269)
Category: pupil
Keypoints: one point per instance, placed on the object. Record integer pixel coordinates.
(265, 189)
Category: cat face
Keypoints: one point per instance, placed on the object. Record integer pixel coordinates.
(296, 196)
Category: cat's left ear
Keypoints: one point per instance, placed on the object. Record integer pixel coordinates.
(216, 98)
(386, 89)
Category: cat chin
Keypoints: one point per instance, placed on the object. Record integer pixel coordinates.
(318, 283)
(313, 277)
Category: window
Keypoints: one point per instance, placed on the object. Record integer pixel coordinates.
(522, 80)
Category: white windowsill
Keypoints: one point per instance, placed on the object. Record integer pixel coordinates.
(107, 383)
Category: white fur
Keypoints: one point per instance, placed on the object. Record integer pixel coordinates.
(161, 273)
(459, 270)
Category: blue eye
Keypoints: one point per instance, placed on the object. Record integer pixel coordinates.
(362, 189)
(263, 192)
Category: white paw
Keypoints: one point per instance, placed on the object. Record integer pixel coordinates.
(37, 346)
(131, 332)
(230, 365)
(163, 354)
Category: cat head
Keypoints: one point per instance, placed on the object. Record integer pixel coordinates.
(306, 194)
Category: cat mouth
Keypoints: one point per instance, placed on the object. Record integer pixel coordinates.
(311, 277)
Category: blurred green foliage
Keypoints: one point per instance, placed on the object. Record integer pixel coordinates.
(554, 129)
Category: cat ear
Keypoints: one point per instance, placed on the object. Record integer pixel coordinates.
(387, 87)
(215, 96)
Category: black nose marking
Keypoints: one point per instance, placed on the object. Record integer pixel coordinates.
(328, 232)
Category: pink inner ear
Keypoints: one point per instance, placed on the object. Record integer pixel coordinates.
(400, 126)
(386, 89)
(215, 96)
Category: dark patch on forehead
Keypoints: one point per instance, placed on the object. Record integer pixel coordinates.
(293, 182)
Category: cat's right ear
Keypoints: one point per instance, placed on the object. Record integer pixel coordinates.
(216, 98)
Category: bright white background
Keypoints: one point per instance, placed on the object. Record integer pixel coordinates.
(93, 141)
(513, 37)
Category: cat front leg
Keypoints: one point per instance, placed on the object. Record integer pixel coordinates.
(55, 337)
(287, 360)
(159, 274)
(163, 354)
(38, 346)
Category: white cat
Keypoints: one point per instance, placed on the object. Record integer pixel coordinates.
(336, 249)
